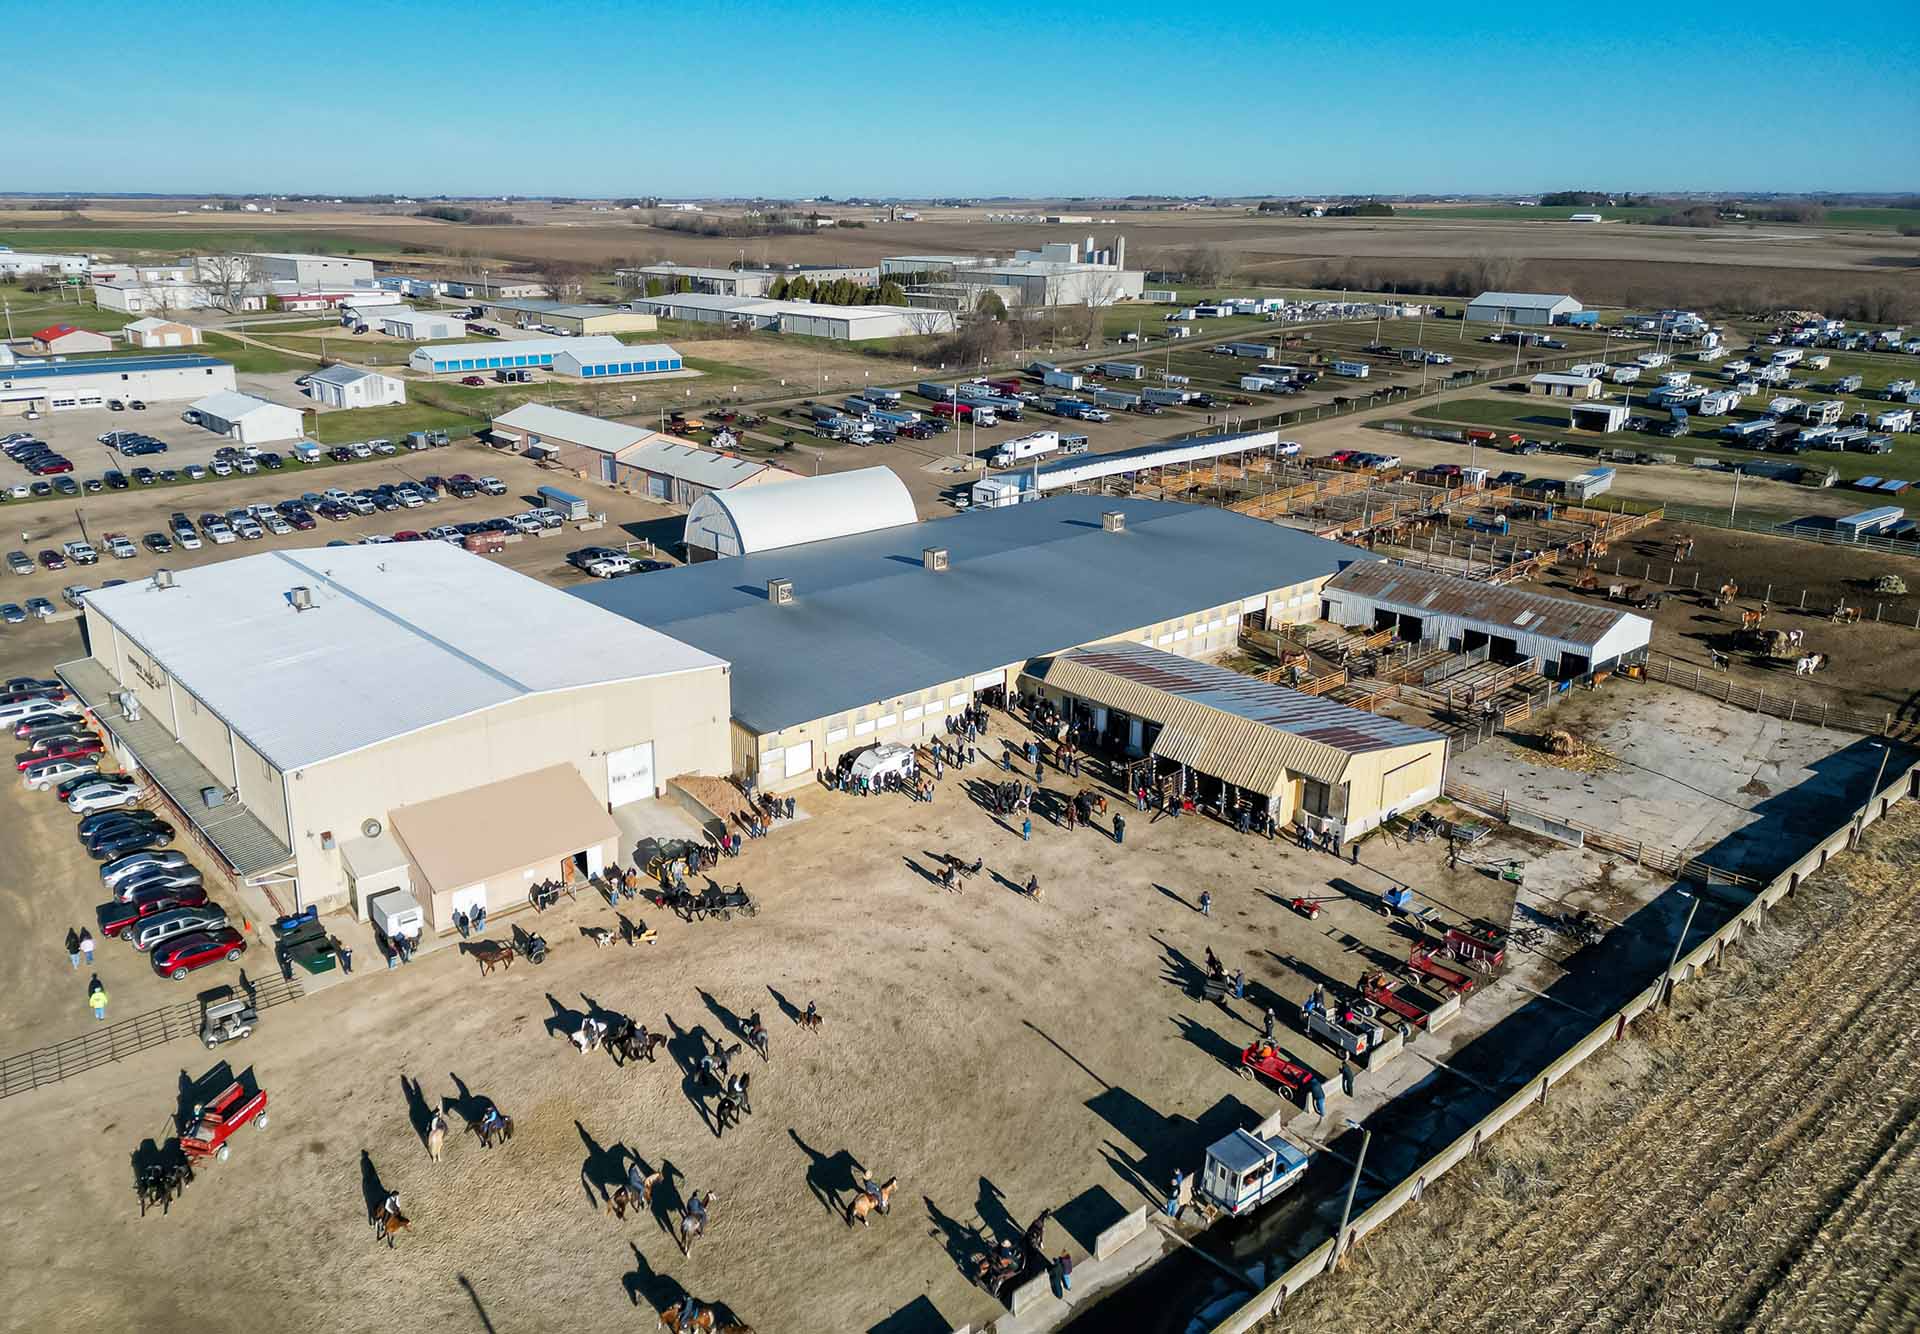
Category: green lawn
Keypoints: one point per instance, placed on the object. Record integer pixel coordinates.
(254, 360)
(720, 370)
(1522, 213)
(180, 241)
(369, 423)
(1874, 217)
(31, 311)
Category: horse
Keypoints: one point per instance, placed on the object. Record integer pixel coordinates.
(491, 954)
(1809, 664)
(499, 1127)
(599, 935)
(389, 1222)
(161, 1184)
(723, 1058)
(623, 1197)
(1753, 620)
(1845, 615)
(867, 1202)
(726, 1113)
(436, 1135)
(693, 1221)
(810, 1021)
(590, 1034)
(757, 1035)
(638, 1044)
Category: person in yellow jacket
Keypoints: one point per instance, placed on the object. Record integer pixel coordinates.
(97, 998)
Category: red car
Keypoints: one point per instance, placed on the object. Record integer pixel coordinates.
(116, 917)
(407, 535)
(50, 467)
(72, 751)
(197, 949)
(472, 379)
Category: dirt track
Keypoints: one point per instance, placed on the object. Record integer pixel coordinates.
(1748, 1164)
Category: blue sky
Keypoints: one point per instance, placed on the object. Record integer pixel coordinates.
(908, 99)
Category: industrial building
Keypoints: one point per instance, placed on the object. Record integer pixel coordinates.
(1228, 740)
(66, 340)
(506, 353)
(1605, 418)
(1019, 486)
(155, 332)
(505, 287)
(810, 509)
(1060, 273)
(1521, 308)
(619, 360)
(23, 263)
(846, 323)
(247, 419)
(343, 721)
(1563, 638)
(679, 472)
(135, 295)
(60, 385)
(651, 463)
(420, 326)
(743, 281)
(312, 271)
(343, 386)
(839, 643)
(1549, 384)
(571, 319)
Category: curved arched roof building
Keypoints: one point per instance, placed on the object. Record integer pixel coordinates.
(789, 514)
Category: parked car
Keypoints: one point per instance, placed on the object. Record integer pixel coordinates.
(158, 543)
(116, 915)
(40, 607)
(165, 926)
(102, 797)
(73, 750)
(493, 486)
(129, 840)
(91, 826)
(19, 562)
(52, 560)
(157, 878)
(12, 613)
(181, 955)
(117, 873)
(53, 773)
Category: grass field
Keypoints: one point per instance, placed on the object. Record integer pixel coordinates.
(1525, 213)
(254, 360)
(182, 241)
(30, 311)
(370, 423)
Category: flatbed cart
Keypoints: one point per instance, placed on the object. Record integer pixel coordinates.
(1421, 959)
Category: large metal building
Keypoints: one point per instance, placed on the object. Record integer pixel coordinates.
(1521, 307)
(1563, 637)
(842, 642)
(343, 721)
(788, 514)
(506, 354)
(1226, 739)
(58, 385)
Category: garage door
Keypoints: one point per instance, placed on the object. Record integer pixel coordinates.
(630, 774)
(799, 758)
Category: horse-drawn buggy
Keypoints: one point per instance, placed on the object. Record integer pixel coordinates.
(204, 1132)
(722, 903)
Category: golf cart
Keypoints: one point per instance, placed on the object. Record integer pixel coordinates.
(225, 1017)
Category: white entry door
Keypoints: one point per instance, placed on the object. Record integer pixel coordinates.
(799, 758)
(630, 774)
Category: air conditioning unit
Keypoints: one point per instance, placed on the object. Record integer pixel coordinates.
(934, 558)
(301, 597)
(1114, 521)
(214, 796)
(163, 578)
(780, 592)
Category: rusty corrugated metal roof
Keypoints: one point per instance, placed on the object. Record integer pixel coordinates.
(1497, 609)
(1248, 732)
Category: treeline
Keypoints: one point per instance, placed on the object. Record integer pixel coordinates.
(702, 224)
(1803, 212)
(477, 217)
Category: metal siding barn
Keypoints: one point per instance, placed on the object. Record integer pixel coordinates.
(420, 326)
(344, 386)
(1567, 638)
(338, 698)
(1532, 308)
(620, 360)
(152, 332)
(507, 353)
(250, 420)
(787, 514)
(87, 384)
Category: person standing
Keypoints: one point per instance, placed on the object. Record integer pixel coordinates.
(73, 947)
(1319, 1095)
(1065, 1266)
(345, 955)
(1026, 831)
(1206, 903)
(1346, 1077)
(1266, 1030)
(1173, 1195)
(1239, 984)
(86, 946)
(97, 997)
(1119, 829)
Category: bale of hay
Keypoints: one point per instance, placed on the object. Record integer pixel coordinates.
(1890, 585)
(1565, 744)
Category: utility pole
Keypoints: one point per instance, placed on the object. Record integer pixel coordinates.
(1666, 978)
(1346, 1210)
(1860, 821)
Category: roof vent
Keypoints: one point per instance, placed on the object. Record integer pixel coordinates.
(1114, 521)
(780, 592)
(301, 597)
(934, 558)
(163, 578)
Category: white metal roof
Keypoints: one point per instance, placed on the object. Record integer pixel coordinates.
(807, 509)
(671, 457)
(516, 347)
(343, 374)
(230, 406)
(400, 637)
(150, 323)
(624, 352)
(1522, 300)
(574, 428)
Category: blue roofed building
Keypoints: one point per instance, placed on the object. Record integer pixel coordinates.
(91, 383)
(839, 643)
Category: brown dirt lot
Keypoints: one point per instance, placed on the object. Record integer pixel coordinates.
(1746, 1163)
(999, 1055)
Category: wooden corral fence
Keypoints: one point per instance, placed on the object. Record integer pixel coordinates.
(115, 1041)
(1717, 685)
(1667, 861)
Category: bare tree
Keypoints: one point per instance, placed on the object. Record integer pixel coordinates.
(564, 279)
(228, 278)
(925, 320)
(1494, 272)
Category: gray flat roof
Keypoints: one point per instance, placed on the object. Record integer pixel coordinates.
(868, 623)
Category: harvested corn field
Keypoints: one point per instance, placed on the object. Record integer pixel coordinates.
(1747, 1162)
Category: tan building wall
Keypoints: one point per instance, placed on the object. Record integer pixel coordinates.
(684, 716)
(808, 747)
(626, 321)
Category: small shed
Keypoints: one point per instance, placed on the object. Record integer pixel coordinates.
(65, 338)
(156, 332)
(1557, 385)
(1603, 417)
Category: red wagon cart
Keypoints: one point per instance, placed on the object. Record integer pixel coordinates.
(1482, 947)
(1421, 960)
(1263, 1058)
(214, 1121)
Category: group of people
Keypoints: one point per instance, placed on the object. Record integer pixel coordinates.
(758, 818)
(471, 921)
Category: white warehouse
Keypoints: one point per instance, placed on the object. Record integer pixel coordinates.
(1563, 638)
(742, 522)
(88, 383)
(249, 420)
(345, 386)
(421, 326)
(1521, 308)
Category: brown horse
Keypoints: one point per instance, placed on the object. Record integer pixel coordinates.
(867, 1202)
(809, 1021)
(632, 1047)
(491, 954)
(501, 1130)
(390, 1222)
(624, 1199)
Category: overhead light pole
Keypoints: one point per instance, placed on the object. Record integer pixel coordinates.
(1353, 1185)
